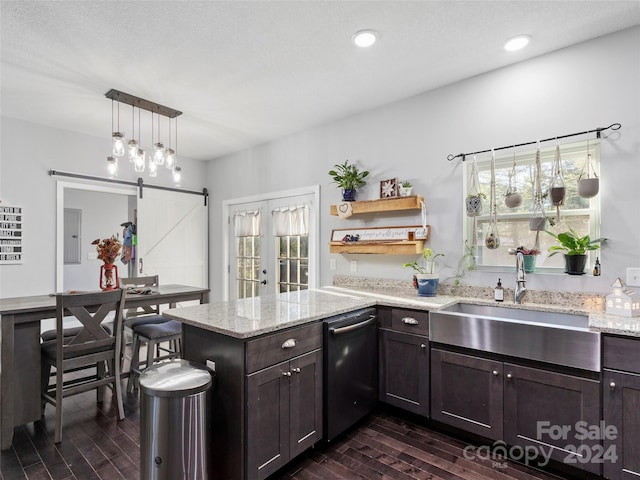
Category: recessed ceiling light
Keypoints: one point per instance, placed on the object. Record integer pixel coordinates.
(365, 38)
(516, 43)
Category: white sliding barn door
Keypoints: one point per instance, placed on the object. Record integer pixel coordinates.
(173, 237)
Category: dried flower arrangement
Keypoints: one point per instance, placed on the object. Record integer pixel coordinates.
(108, 248)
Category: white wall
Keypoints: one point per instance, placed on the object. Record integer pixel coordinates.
(579, 88)
(27, 152)
(102, 214)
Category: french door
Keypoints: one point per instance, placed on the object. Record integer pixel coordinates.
(272, 246)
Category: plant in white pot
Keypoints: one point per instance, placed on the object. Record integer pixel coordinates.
(349, 178)
(575, 249)
(405, 188)
(426, 279)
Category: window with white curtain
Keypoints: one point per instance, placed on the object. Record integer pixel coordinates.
(291, 229)
(247, 262)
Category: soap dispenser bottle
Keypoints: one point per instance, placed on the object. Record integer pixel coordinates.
(596, 268)
(498, 292)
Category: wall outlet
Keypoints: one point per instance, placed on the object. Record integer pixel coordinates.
(332, 264)
(211, 365)
(354, 266)
(633, 277)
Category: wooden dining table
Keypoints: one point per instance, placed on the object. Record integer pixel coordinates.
(20, 320)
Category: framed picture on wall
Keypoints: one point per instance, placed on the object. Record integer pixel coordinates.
(389, 188)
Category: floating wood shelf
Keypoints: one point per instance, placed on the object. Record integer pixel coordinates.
(384, 205)
(390, 248)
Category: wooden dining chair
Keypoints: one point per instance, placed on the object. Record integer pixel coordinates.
(87, 359)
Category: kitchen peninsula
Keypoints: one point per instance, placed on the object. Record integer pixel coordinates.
(257, 343)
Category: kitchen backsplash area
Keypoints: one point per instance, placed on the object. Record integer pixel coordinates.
(574, 300)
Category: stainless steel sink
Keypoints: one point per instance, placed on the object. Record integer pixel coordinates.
(510, 314)
(556, 338)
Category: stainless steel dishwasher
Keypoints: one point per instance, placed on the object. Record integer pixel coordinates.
(350, 370)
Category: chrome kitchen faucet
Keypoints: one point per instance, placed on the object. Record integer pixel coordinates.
(521, 288)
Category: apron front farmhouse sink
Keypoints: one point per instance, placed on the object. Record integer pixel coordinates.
(550, 337)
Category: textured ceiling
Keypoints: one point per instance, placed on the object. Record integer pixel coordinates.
(246, 72)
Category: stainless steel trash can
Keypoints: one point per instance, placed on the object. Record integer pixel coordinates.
(174, 421)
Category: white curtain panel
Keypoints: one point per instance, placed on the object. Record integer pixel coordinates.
(291, 221)
(247, 224)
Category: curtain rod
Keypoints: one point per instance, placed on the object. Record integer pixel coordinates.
(613, 126)
(139, 183)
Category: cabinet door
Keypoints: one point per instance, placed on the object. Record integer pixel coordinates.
(552, 413)
(305, 416)
(404, 371)
(267, 441)
(466, 392)
(621, 407)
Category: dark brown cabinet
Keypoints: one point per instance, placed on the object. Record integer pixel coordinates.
(404, 359)
(621, 408)
(554, 414)
(545, 412)
(267, 402)
(284, 413)
(467, 392)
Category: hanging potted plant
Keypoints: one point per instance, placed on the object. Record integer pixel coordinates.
(425, 278)
(588, 186)
(474, 197)
(575, 249)
(349, 178)
(405, 188)
(512, 198)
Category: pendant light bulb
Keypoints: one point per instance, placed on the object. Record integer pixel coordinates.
(158, 153)
(132, 150)
(118, 143)
(138, 162)
(153, 168)
(112, 166)
(177, 175)
(170, 158)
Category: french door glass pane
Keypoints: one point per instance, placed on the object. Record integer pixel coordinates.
(293, 262)
(247, 266)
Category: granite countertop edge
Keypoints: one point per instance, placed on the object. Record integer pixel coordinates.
(356, 298)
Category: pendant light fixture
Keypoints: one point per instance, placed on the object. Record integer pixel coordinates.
(133, 145)
(134, 148)
(170, 157)
(117, 137)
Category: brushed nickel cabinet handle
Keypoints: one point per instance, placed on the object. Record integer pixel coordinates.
(612, 385)
(422, 345)
(509, 376)
(290, 343)
(295, 370)
(409, 321)
(495, 373)
(286, 374)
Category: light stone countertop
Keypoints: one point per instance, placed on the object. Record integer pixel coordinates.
(256, 316)
(251, 317)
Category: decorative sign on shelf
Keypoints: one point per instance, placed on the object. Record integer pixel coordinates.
(11, 240)
(381, 234)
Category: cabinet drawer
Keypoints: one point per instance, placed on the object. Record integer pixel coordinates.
(621, 353)
(271, 349)
(410, 321)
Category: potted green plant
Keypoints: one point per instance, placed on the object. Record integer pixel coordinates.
(530, 255)
(426, 279)
(405, 188)
(349, 178)
(575, 249)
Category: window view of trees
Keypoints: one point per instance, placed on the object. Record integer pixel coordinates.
(579, 213)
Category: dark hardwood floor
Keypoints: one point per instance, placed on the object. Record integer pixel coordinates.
(97, 446)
